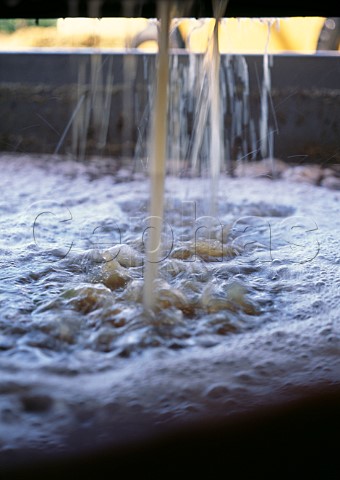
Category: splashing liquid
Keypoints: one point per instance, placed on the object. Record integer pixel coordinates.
(159, 141)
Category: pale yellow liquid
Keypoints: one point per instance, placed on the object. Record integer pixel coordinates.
(215, 136)
(157, 160)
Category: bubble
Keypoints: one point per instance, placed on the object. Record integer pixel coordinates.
(114, 276)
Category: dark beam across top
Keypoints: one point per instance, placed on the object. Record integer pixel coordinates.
(148, 8)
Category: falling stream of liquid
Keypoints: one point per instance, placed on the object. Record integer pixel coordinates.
(157, 160)
(209, 112)
(216, 144)
(266, 135)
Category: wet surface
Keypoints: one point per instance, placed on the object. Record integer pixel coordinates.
(247, 302)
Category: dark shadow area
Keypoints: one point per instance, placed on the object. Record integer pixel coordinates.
(297, 437)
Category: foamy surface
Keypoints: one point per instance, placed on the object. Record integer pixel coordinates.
(247, 312)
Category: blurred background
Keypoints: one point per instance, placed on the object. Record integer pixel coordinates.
(237, 35)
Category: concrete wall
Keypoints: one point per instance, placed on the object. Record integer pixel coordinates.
(83, 103)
